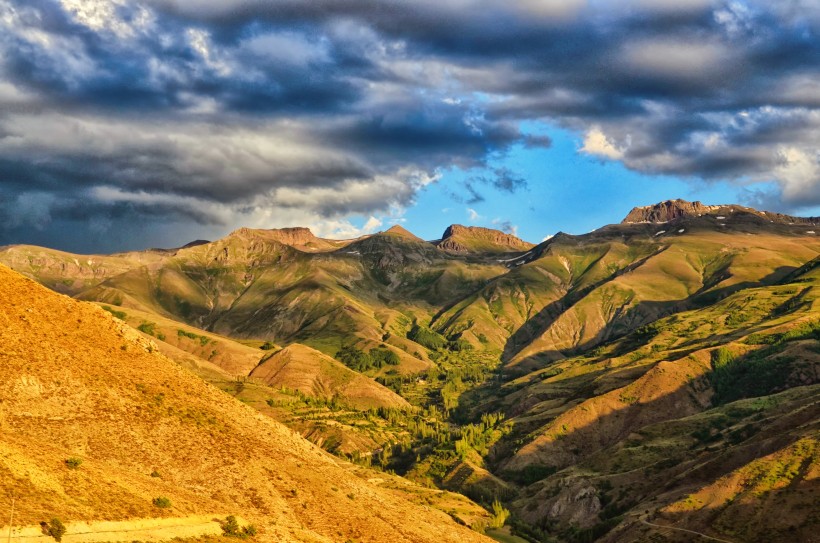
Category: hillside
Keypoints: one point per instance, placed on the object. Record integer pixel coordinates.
(78, 384)
(314, 374)
(662, 372)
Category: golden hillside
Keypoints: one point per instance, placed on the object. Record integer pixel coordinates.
(317, 375)
(77, 384)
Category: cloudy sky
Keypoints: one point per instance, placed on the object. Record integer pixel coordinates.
(134, 123)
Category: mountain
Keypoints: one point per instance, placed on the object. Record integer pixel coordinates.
(299, 238)
(475, 239)
(648, 377)
(671, 210)
(97, 425)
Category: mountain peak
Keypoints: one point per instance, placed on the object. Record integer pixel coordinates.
(462, 239)
(667, 211)
(398, 230)
(671, 210)
(298, 237)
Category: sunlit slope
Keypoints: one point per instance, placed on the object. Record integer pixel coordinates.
(697, 403)
(574, 292)
(75, 384)
(475, 239)
(297, 367)
(71, 273)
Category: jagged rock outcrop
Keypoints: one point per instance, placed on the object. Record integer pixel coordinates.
(671, 210)
(667, 211)
(465, 239)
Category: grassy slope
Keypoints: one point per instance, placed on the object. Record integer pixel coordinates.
(598, 435)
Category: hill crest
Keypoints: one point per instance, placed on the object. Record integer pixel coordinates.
(462, 239)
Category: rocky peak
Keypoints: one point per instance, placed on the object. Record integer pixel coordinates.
(397, 230)
(461, 239)
(667, 211)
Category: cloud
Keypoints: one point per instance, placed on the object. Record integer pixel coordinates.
(506, 226)
(473, 214)
(596, 143)
(371, 225)
(203, 114)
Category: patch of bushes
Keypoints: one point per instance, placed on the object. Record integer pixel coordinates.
(267, 346)
(426, 337)
(150, 328)
(73, 462)
(230, 528)
(119, 314)
(162, 502)
(361, 361)
(203, 340)
(55, 528)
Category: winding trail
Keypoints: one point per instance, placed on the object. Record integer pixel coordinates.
(152, 529)
(685, 530)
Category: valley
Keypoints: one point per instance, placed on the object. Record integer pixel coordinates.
(653, 380)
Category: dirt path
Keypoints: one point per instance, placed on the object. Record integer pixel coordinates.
(155, 529)
(685, 530)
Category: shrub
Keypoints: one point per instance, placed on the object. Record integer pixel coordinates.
(73, 462)
(721, 357)
(150, 329)
(267, 346)
(162, 502)
(230, 528)
(55, 529)
(119, 314)
(500, 515)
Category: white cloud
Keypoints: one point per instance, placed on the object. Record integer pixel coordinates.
(371, 225)
(473, 214)
(596, 143)
(799, 175)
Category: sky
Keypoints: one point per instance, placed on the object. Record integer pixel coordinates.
(127, 124)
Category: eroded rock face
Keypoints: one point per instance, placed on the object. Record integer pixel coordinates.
(462, 239)
(671, 210)
(576, 503)
(667, 211)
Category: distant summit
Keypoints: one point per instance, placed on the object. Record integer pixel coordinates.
(397, 230)
(297, 237)
(667, 211)
(466, 239)
(671, 210)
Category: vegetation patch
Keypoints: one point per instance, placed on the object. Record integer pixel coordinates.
(230, 528)
(119, 314)
(54, 528)
(150, 328)
(203, 340)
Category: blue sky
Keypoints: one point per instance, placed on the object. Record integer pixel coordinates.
(567, 191)
(127, 124)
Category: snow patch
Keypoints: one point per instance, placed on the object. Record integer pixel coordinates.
(682, 230)
(720, 217)
(659, 233)
(810, 231)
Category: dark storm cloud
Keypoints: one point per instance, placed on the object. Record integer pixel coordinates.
(226, 112)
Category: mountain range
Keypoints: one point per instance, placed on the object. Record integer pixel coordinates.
(632, 383)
